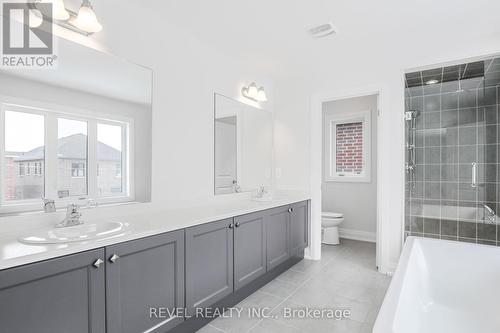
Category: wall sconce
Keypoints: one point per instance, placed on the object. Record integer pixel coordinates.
(254, 93)
(84, 22)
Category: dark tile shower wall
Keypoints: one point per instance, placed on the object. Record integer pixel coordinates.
(458, 124)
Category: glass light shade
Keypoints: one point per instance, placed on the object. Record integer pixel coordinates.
(87, 19)
(252, 91)
(59, 11)
(261, 95)
(35, 18)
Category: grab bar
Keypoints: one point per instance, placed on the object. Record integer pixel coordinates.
(474, 175)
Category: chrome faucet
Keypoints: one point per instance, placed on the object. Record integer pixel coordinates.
(490, 214)
(261, 192)
(236, 187)
(73, 217)
(49, 205)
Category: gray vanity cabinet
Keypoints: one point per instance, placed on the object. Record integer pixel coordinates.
(299, 217)
(145, 284)
(209, 264)
(277, 236)
(249, 248)
(60, 295)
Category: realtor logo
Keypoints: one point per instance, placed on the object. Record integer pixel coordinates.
(27, 37)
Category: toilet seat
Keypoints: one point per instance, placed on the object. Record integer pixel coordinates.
(332, 215)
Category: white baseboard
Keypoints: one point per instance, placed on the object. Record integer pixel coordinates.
(365, 236)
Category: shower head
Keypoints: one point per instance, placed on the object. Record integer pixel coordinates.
(412, 114)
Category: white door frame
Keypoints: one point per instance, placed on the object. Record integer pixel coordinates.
(316, 149)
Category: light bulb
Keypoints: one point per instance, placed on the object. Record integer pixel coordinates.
(252, 91)
(35, 18)
(261, 95)
(59, 11)
(87, 19)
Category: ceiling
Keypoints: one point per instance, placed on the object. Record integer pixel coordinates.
(488, 71)
(273, 33)
(483, 75)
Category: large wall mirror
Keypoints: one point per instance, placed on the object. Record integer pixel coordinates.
(243, 146)
(79, 131)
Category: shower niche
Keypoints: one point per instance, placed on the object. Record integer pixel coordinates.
(452, 140)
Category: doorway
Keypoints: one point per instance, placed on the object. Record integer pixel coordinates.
(349, 182)
(352, 192)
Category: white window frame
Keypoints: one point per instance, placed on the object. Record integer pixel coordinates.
(127, 162)
(330, 146)
(52, 112)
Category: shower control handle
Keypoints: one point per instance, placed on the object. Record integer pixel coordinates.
(474, 175)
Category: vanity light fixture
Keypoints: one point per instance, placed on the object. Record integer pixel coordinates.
(86, 19)
(84, 22)
(254, 93)
(431, 82)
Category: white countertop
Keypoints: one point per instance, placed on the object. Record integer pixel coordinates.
(143, 218)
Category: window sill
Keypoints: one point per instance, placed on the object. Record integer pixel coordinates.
(37, 208)
(348, 179)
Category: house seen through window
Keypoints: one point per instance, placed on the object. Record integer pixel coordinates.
(25, 175)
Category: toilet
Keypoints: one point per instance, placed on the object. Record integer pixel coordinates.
(330, 227)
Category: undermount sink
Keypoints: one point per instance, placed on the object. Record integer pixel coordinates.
(78, 233)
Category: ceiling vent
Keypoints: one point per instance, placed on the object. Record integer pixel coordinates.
(322, 30)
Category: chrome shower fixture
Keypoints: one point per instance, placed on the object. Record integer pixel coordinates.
(411, 119)
(412, 114)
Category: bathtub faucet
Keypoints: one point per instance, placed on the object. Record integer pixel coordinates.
(490, 214)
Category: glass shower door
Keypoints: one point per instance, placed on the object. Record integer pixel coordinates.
(452, 144)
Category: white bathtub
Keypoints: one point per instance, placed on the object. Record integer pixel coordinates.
(443, 287)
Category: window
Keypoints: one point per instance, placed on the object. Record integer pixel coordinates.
(347, 147)
(24, 142)
(110, 140)
(61, 155)
(39, 171)
(63, 194)
(77, 170)
(72, 156)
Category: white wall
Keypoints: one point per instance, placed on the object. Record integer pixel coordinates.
(356, 200)
(97, 105)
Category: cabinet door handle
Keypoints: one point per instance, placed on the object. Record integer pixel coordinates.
(237, 224)
(290, 209)
(114, 258)
(231, 226)
(98, 263)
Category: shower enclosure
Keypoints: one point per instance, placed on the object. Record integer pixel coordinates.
(452, 118)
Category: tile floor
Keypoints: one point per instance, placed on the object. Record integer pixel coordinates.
(345, 278)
